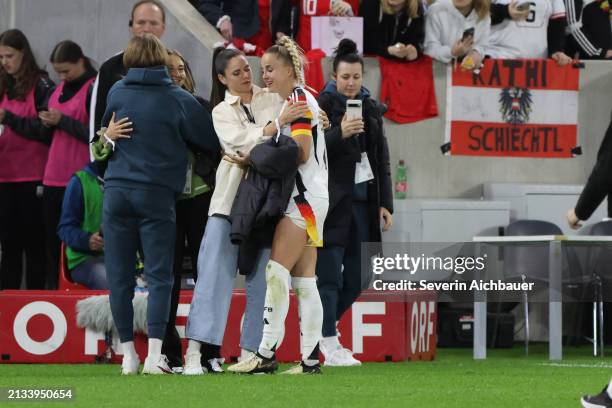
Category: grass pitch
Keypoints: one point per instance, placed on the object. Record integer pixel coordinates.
(505, 379)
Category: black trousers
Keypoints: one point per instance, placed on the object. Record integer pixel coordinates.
(191, 217)
(340, 288)
(53, 197)
(21, 231)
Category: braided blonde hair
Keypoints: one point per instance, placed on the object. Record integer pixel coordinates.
(291, 53)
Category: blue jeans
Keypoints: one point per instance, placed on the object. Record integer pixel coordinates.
(91, 273)
(147, 216)
(217, 268)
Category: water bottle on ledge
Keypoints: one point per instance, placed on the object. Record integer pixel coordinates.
(401, 185)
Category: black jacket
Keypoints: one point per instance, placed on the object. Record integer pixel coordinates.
(600, 181)
(264, 193)
(589, 26)
(262, 197)
(343, 154)
(111, 72)
(383, 30)
(245, 15)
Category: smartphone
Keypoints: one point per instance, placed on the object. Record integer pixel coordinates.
(469, 33)
(353, 109)
(523, 6)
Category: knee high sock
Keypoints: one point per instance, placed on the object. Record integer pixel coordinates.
(276, 307)
(311, 315)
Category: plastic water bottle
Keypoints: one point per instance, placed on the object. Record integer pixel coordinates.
(401, 185)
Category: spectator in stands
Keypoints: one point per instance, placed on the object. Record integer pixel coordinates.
(357, 203)
(24, 146)
(68, 116)
(395, 28)
(191, 207)
(148, 17)
(139, 199)
(259, 22)
(540, 34)
(313, 8)
(458, 29)
(243, 115)
(588, 23)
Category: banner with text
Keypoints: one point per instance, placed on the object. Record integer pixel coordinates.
(513, 108)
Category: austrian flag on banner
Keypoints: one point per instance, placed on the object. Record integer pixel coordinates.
(518, 108)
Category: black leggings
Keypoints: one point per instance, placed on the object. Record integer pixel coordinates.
(21, 231)
(191, 217)
(52, 211)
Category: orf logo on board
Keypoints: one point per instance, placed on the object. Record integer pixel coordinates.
(515, 105)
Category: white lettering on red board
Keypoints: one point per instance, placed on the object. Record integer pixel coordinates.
(23, 338)
(361, 329)
(421, 326)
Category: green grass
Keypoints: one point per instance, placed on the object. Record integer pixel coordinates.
(505, 379)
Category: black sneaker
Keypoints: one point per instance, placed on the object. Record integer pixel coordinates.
(256, 364)
(601, 400)
(304, 369)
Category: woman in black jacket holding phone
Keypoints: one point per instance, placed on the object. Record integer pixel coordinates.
(359, 196)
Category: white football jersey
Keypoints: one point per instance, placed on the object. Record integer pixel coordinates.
(527, 38)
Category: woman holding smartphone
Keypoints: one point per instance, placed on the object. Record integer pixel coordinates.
(360, 194)
(458, 29)
(24, 147)
(68, 117)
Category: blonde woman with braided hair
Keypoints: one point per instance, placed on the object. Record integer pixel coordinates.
(300, 232)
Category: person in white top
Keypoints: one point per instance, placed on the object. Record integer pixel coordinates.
(458, 29)
(243, 116)
(300, 231)
(539, 34)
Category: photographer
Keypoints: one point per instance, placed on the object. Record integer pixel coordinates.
(358, 201)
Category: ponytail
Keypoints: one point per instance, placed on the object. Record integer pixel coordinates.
(221, 58)
(291, 54)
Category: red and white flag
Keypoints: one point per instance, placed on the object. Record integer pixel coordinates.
(517, 108)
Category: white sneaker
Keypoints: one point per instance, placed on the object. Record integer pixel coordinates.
(342, 357)
(130, 365)
(245, 355)
(156, 365)
(214, 366)
(193, 366)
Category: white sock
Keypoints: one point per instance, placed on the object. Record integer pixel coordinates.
(276, 307)
(193, 346)
(129, 349)
(331, 343)
(311, 313)
(609, 390)
(155, 346)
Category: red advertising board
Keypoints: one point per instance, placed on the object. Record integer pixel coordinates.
(40, 327)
